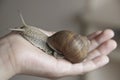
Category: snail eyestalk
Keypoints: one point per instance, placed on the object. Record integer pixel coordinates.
(21, 30)
(22, 19)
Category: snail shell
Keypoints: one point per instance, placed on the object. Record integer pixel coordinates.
(73, 46)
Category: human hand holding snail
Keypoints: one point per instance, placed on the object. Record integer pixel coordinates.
(24, 58)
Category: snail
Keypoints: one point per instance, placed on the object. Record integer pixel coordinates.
(72, 46)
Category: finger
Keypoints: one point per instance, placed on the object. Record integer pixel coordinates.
(95, 63)
(104, 49)
(104, 36)
(93, 35)
(49, 33)
(88, 66)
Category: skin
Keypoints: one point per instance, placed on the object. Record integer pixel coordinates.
(18, 56)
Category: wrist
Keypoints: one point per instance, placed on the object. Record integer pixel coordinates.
(6, 71)
(7, 64)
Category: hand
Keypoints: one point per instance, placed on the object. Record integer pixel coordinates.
(24, 58)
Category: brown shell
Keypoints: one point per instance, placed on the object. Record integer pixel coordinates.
(73, 46)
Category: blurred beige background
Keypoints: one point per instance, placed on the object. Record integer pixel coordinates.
(82, 16)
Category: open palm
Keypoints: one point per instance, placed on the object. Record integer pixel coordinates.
(31, 60)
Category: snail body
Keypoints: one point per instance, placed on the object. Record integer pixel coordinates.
(35, 36)
(72, 46)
